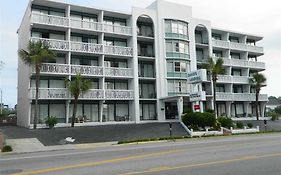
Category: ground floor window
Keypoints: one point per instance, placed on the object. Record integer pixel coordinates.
(85, 113)
(221, 109)
(237, 109)
(45, 110)
(115, 112)
(148, 111)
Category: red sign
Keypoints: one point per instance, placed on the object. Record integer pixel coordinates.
(196, 107)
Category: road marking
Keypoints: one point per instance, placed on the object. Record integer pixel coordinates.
(47, 170)
(169, 168)
(223, 144)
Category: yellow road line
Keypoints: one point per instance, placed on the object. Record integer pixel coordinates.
(168, 168)
(47, 170)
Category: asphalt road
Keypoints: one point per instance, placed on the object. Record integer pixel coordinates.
(233, 155)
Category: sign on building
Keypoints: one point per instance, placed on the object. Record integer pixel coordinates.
(197, 76)
(198, 96)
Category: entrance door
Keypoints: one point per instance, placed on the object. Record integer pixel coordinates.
(171, 110)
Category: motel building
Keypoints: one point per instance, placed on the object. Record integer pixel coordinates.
(145, 66)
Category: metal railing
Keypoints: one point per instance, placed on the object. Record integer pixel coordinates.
(118, 72)
(237, 46)
(63, 93)
(49, 19)
(86, 70)
(53, 43)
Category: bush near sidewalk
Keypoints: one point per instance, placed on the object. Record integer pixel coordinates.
(196, 120)
(7, 148)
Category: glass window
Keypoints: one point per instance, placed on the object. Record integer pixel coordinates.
(177, 66)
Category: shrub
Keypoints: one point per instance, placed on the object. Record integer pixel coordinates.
(250, 125)
(239, 125)
(7, 148)
(274, 115)
(51, 121)
(210, 111)
(225, 122)
(197, 119)
(217, 125)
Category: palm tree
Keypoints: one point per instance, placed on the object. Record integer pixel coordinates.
(36, 54)
(77, 87)
(257, 81)
(214, 68)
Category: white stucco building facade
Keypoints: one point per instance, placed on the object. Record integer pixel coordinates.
(141, 64)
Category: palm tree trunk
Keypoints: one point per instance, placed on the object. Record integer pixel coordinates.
(257, 104)
(37, 74)
(215, 98)
(74, 111)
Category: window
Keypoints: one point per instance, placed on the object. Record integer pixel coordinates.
(115, 84)
(177, 86)
(115, 63)
(237, 88)
(252, 57)
(235, 55)
(236, 72)
(234, 39)
(146, 70)
(217, 53)
(251, 42)
(145, 29)
(147, 90)
(177, 46)
(148, 111)
(200, 54)
(115, 42)
(145, 49)
(177, 66)
(220, 88)
(216, 36)
(177, 27)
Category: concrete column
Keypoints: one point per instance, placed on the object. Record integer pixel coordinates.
(180, 107)
(262, 108)
(100, 110)
(246, 108)
(228, 109)
(67, 111)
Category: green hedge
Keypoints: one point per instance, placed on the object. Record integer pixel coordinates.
(225, 122)
(198, 119)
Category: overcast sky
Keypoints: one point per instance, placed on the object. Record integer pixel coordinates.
(262, 17)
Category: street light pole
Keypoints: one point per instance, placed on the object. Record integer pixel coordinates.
(1, 107)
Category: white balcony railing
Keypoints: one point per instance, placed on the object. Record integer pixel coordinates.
(256, 65)
(237, 46)
(118, 72)
(119, 94)
(242, 63)
(86, 47)
(222, 96)
(93, 94)
(53, 43)
(54, 68)
(221, 43)
(233, 79)
(255, 49)
(81, 24)
(49, 19)
(63, 93)
(117, 29)
(118, 50)
(50, 93)
(86, 70)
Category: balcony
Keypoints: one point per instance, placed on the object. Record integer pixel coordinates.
(237, 46)
(64, 45)
(256, 65)
(80, 24)
(92, 94)
(49, 20)
(118, 50)
(242, 63)
(112, 94)
(54, 44)
(86, 47)
(233, 79)
(118, 72)
(125, 30)
(222, 96)
(54, 68)
(86, 70)
(50, 93)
